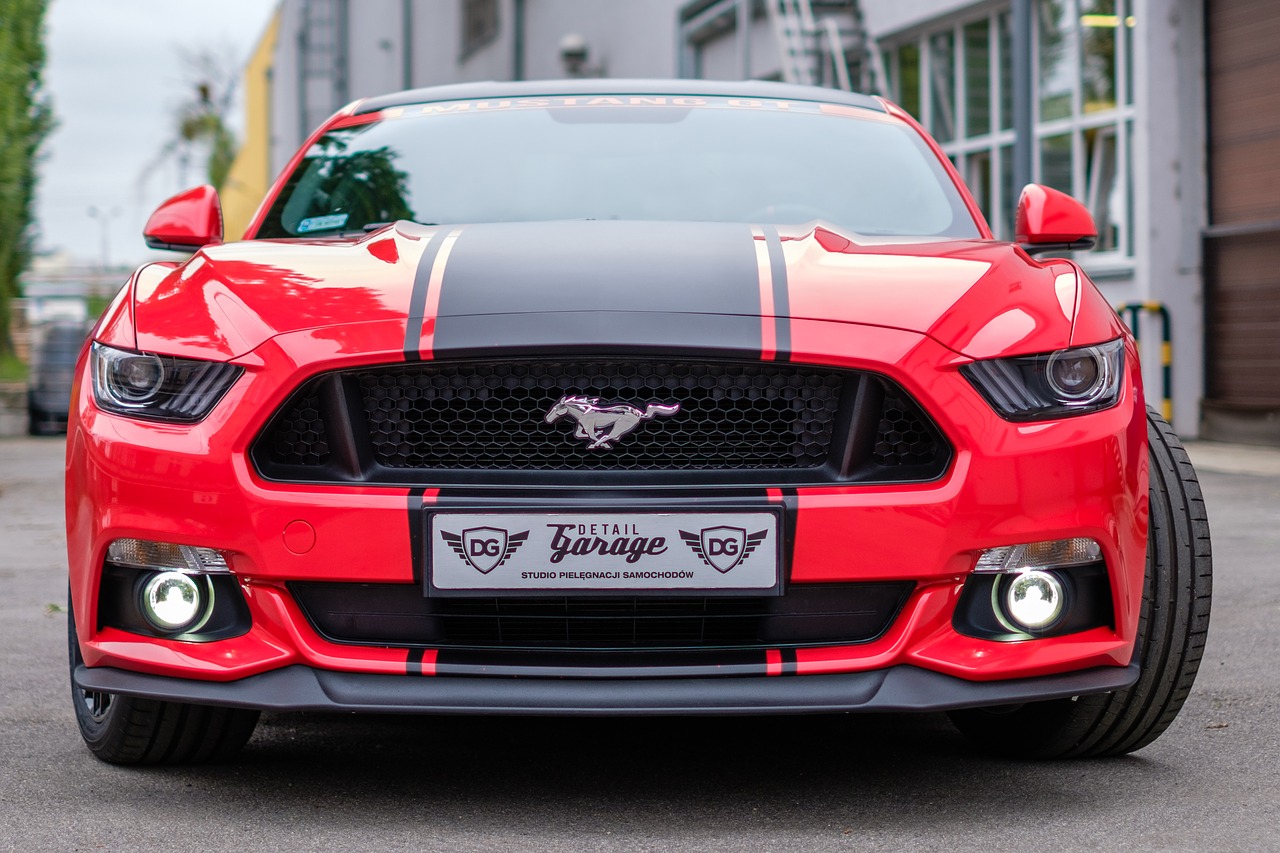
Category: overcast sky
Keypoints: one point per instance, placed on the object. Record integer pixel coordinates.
(116, 77)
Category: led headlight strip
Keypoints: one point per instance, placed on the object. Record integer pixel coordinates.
(1051, 385)
(158, 387)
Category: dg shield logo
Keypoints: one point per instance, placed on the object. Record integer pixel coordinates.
(484, 548)
(722, 548)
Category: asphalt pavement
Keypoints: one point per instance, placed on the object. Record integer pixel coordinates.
(907, 782)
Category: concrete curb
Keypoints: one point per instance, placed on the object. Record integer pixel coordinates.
(1226, 458)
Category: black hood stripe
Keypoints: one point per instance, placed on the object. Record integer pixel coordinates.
(425, 298)
(600, 285)
(781, 300)
(418, 298)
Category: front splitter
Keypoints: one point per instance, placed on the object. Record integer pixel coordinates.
(899, 688)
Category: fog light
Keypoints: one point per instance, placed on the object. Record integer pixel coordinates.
(172, 601)
(1034, 600)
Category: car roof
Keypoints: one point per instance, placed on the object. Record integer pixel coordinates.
(678, 88)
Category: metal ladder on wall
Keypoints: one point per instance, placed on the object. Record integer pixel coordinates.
(831, 50)
(322, 61)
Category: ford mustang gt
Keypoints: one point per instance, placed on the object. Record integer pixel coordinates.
(623, 398)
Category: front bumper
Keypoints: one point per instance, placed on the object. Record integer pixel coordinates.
(1007, 483)
(900, 688)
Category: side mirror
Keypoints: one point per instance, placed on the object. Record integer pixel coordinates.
(1052, 221)
(186, 222)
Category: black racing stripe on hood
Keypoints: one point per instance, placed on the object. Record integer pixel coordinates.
(602, 332)
(519, 284)
(418, 297)
(781, 300)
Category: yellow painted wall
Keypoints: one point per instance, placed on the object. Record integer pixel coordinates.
(250, 174)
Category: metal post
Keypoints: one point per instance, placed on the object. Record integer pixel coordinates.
(304, 45)
(744, 37)
(1132, 314)
(517, 38)
(342, 62)
(406, 44)
(104, 218)
(1024, 137)
(682, 52)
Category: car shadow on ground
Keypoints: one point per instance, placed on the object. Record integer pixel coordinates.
(649, 775)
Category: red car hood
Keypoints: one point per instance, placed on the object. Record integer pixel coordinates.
(979, 298)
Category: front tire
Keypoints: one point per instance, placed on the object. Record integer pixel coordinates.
(1172, 628)
(131, 730)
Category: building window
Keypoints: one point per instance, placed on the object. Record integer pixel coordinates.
(958, 81)
(479, 24)
(322, 61)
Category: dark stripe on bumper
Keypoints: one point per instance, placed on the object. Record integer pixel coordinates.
(601, 664)
(417, 523)
(413, 665)
(788, 661)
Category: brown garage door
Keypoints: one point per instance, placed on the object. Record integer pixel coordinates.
(1242, 244)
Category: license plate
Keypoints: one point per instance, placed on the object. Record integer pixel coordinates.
(603, 553)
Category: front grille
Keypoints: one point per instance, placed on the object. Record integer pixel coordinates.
(492, 416)
(399, 614)
(485, 423)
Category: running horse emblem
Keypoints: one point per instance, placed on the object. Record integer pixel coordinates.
(602, 424)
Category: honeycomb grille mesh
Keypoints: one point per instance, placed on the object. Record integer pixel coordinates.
(903, 437)
(300, 437)
(491, 416)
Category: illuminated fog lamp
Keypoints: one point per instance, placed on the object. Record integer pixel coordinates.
(161, 556)
(172, 601)
(1033, 600)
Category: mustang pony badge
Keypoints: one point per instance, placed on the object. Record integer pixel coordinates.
(602, 424)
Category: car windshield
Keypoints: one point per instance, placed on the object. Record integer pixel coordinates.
(623, 157)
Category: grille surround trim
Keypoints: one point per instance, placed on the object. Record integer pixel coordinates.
(855, 433)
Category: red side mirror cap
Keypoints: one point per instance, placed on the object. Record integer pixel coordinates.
(1052, 221)
(186, 222)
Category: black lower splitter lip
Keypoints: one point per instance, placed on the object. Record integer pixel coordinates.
(900, 688)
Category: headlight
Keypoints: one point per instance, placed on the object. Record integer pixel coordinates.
(1053, 385)
(158, 387)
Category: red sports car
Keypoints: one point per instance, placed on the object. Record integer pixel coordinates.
(612, 397)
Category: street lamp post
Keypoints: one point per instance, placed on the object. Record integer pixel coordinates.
(104, 218)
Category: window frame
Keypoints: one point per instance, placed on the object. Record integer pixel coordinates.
(997, 143)
(474, 31)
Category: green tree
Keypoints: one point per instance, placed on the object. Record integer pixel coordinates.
(200, 121)
(26, 118)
